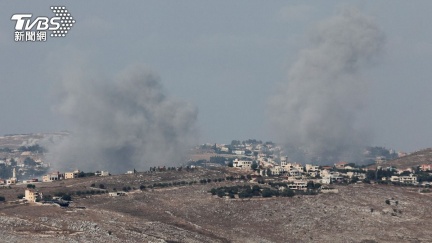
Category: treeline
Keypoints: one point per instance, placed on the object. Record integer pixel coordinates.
(5, 150)
(164, 168)
(251, 191)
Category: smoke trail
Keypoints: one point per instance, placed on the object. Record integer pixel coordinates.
(315, 111)
(121, 125)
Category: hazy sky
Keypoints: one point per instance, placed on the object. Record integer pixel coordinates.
(226, 57)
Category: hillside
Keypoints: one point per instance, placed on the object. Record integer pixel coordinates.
(417, 158)
(13, 141)
(188, 213)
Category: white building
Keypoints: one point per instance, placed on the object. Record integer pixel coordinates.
(238, 152)
(242, 163)
(298, 185)
(224, 149)
(277, 170)
(411, 179)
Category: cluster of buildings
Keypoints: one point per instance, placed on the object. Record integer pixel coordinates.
(299, 175)
(269, 159)
(56, 176)
(25, 161)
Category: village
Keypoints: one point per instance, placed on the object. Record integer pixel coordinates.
(268, 160)
(252, 162)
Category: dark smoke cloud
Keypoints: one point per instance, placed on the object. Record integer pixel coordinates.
(122, 124)
(316, 110)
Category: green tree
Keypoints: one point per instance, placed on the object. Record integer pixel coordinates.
(254, 165)
(256, 190)
(29, 162)
(267, 193)
(2, 199)
(213, 191)
(269, 172)
(354, 179)
(13, 162)
(31, 186)
(287, 193)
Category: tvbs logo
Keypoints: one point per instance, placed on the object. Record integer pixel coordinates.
(28, 28)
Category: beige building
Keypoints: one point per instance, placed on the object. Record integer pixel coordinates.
(52, 177)
(312, 168)
(32, 195)
(71, 175)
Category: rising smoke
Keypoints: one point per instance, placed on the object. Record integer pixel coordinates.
(123, 124)
(316, 110)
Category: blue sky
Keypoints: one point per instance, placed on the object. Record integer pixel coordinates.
(225, 57)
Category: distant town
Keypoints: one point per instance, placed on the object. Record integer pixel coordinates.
(257, 162)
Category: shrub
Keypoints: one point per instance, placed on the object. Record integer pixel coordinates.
(20, 196)
(92, 185)
(101, 186)
(287, 193)
(267, 193)
(142, 187)
(67, 197)
(213, 191)
(31, 186)
(59, 194)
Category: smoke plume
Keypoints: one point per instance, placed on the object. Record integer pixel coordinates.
(316, 110)
(122, 124)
